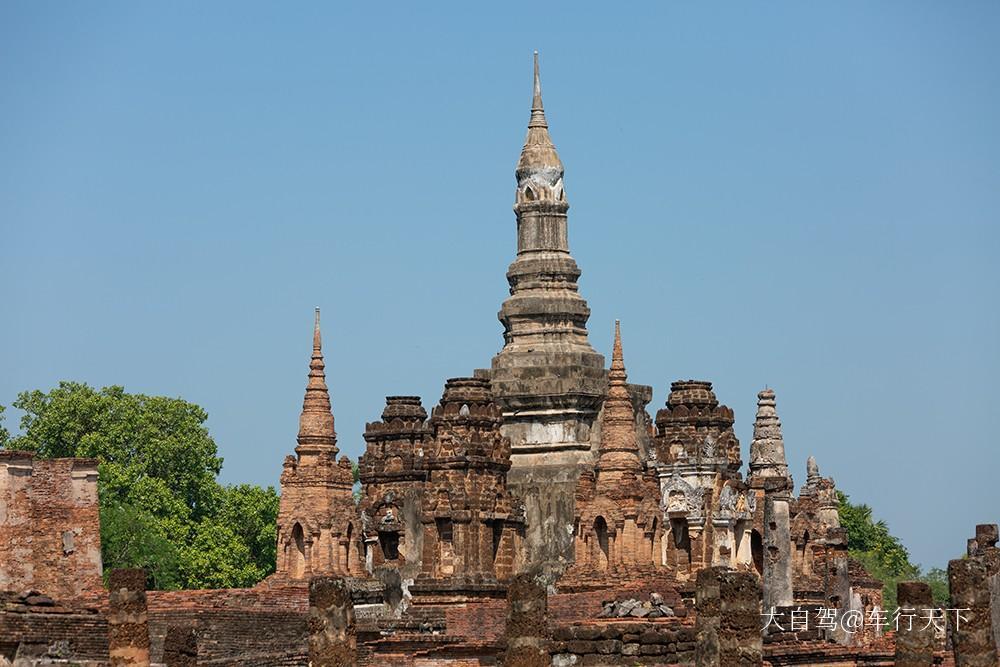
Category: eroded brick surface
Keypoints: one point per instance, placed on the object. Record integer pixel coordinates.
(128, 621)
(973, 585)
(50, 537)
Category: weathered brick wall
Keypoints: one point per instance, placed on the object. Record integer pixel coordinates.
(236, 636)
(292, 598)
(38, 629)
(573, 606)
(659, 642)
(50, 536)
(262, 626)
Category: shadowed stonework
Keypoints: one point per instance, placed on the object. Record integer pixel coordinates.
(331, 624)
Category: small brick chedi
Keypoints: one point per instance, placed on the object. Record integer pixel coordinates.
(538, 514)
(316, 523)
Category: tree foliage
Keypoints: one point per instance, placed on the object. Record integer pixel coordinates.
(131, 537)
(883, 554)
(4, 433)
(162, 507)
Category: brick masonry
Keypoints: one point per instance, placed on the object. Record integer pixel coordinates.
(50, 537)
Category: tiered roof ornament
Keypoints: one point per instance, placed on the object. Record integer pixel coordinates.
(767, 450)
(539, 170)
(619, 452)
(316, 428)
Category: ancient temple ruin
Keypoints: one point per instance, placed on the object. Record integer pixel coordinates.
(316, 524)
(536, 515)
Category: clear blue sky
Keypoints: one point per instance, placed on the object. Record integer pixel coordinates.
(788, 194)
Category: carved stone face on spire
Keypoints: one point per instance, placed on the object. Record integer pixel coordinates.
(539, 171)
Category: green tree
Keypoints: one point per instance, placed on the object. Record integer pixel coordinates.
(4, 433)
(218, 558)
(136, 437)
(883, 554)
(872, 538)
(133, 538)
(252, 512)
(162, 507)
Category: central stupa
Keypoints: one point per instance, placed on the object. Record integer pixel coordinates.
(548, 378)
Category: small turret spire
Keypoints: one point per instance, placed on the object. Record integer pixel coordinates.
(767, 450)
(619, 451)
(316, 430)
(813, 477)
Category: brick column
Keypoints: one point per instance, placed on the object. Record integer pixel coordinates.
(838, 593)
(727, 629)
(987, 535)
(180, 647)
(708, 602)
(973, 638)
(128, 626)
(914, 645)
(526, 631)
(740, 641)
(777, 576)
(331, 623)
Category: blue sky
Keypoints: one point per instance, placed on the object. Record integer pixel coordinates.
(793, 194)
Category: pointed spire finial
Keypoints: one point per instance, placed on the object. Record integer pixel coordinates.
(617, 358)
(316, 429)
(619, 450)
(317, 340)
(539, 171)
(537, 109)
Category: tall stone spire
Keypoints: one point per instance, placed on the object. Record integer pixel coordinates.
(619, 452)
(547, 379)
(547, 370)
(316, 432)
(767, 451)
